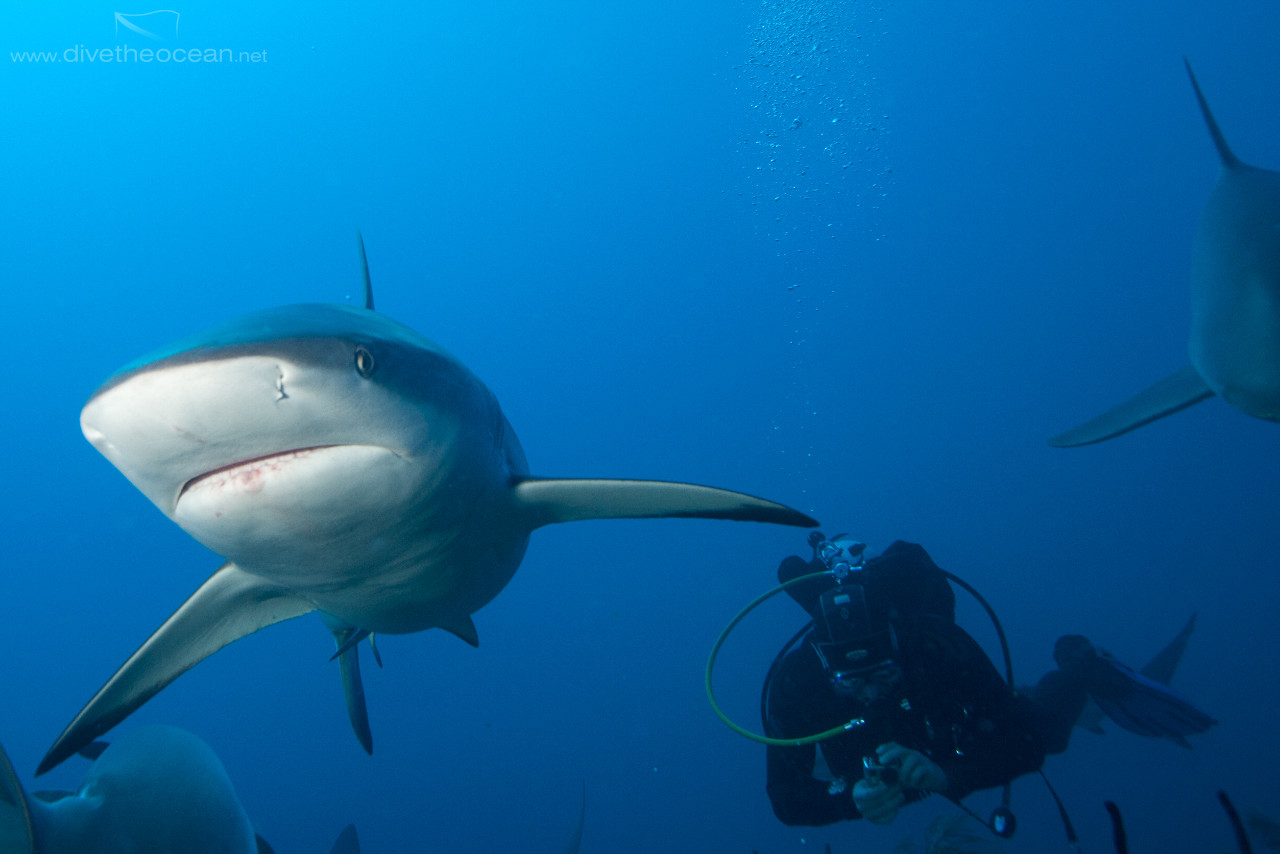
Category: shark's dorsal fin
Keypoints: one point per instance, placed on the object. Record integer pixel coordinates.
(352, 687)
(348, 841)
(1229, 160)
(364, 272)
(263, 847)
(544, 501)
(232, 603)
(575, 841)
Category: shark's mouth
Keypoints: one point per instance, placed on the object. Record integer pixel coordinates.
(248, 475)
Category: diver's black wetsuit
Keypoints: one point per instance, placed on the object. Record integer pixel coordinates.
(951, 705)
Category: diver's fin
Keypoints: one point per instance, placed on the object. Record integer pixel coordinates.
(1180, 389)
(1090, 718)
(232, 603)
(347, 842)
(353, 687)
(1161, 668)
(544, 501)
(16, 831)
(575, 841)
(1144, 706)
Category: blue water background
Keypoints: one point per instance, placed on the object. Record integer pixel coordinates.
(861, 258)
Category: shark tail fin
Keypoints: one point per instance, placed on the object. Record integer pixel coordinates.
(16, 830)
(1229, 159)
(545, 501)
(232, 603)
(352, 687)
(1183, 388)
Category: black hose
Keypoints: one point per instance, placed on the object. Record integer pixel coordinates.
(1242, 838)
(1117, 828)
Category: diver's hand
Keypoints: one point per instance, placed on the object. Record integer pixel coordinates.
(878, 802)
(915, 770)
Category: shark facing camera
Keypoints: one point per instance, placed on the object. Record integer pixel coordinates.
(342, 463)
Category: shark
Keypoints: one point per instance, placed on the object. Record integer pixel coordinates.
(156, 790)
(1234, 345)
(343, 463)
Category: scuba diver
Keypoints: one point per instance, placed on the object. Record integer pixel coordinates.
(915, 704)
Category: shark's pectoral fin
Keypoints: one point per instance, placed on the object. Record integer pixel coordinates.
(229, 605)
(544, 501)
(352, 687)
(1175, 392)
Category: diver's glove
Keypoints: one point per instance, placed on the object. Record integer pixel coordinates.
(1135, 702)
(878, 802)
(915, 770)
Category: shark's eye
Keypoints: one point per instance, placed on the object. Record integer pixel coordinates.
(364, 362)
